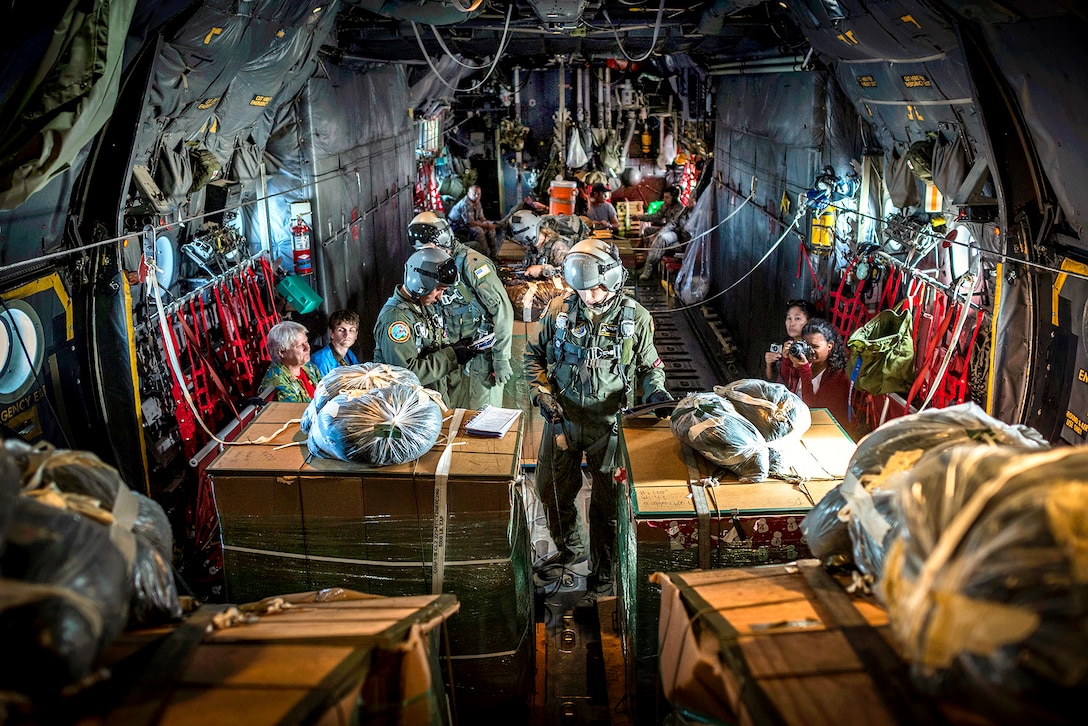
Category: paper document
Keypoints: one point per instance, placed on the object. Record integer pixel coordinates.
(492, 421)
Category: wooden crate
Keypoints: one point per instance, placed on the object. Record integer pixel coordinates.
(669, 522)
(293, 522)
(338, 661)
(785, 644)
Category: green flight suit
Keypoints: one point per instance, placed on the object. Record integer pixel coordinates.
(593, 373)
(477, 304)
(411, 336)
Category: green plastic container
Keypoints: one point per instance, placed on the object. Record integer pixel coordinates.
(299, 293)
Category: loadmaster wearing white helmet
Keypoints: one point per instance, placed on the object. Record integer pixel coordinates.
(475, 305)
(592, 355)
(409, 331)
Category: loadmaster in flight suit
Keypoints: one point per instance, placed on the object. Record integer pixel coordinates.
(409, 333)
(593, 348)
(473, 306)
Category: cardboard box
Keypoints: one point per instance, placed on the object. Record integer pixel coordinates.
(289, 519)
(784, 644)
(342, 661)
(673, 519)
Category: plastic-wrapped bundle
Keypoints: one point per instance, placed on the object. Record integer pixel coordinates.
(155, 597)
(893, 448)
(711, 425)
(773, 409)
(986, 581)
(530, 297)
(70, 601)
(388, 425)
(360, 377)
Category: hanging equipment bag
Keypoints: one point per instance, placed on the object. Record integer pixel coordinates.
(882, 352)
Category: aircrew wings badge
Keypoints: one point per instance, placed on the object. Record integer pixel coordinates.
(399, 332)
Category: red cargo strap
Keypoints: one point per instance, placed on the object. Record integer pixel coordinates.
(233, 350)
(182, 414)
(209, 369)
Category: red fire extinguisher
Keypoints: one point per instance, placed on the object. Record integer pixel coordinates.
(300, 235)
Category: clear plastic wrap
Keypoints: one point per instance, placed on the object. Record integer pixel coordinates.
(773, 409)
(360, 377)
(155, 596)
(986, 579)
(530, 297)
(711, 425)
(64, 597)
(892, 448)
(389, 425)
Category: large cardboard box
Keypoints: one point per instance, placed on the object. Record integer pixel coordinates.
(785, 644)
(293, 522)
(348, 659)
(682, 512)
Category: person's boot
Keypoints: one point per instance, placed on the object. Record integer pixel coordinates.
(647, 271)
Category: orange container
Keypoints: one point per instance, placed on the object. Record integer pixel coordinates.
(561, 197)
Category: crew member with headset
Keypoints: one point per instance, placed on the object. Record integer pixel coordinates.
(592, 353)
(409, 332)
(473, 306)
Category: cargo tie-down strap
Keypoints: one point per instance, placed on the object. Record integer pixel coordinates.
(441, 504)
(699, 496)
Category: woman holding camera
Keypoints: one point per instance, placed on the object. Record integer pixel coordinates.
(798, 312)
(820, 363)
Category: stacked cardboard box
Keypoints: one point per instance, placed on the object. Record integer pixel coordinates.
(349, 659)
(452, 521)
(785, 644)
(675, 517)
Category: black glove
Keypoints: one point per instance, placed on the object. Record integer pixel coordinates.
(661, 397)
(549, 408)
(463, 350)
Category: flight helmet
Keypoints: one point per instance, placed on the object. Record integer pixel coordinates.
(525, 227)
(590, 263)
(428, 268)
(429, 228)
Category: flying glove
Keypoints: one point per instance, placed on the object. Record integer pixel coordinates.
(464, 351)
(661, 397)
(549, 408)
(503, 371)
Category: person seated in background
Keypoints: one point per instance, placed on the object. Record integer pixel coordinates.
(666, 227)
(343, 332)
(798, 312)
(601, 213)
(291, 373)
(467, 217)
(821, 367)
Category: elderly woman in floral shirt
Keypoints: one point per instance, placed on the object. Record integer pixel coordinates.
(291, 373)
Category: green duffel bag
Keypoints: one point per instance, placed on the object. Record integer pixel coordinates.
(882, 353)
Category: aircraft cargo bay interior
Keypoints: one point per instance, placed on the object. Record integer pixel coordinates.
(573, 362)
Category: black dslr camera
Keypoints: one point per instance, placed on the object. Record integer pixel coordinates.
(801, 349)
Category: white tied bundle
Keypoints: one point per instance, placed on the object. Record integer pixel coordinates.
(389, 425)
(711, 425)
(852, 522)
(986, 576)
(361, 377)
(775, 411)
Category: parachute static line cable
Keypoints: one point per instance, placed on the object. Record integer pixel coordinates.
(706, 232)
(743, 277)
(494, 64)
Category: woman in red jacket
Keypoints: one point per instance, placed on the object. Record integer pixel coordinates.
(821, 365)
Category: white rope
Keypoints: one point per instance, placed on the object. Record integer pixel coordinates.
(494, 64)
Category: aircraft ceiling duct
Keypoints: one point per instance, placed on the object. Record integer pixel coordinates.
(434, 12)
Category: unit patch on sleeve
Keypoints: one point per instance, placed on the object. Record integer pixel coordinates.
(399, 332)
(482, 272)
